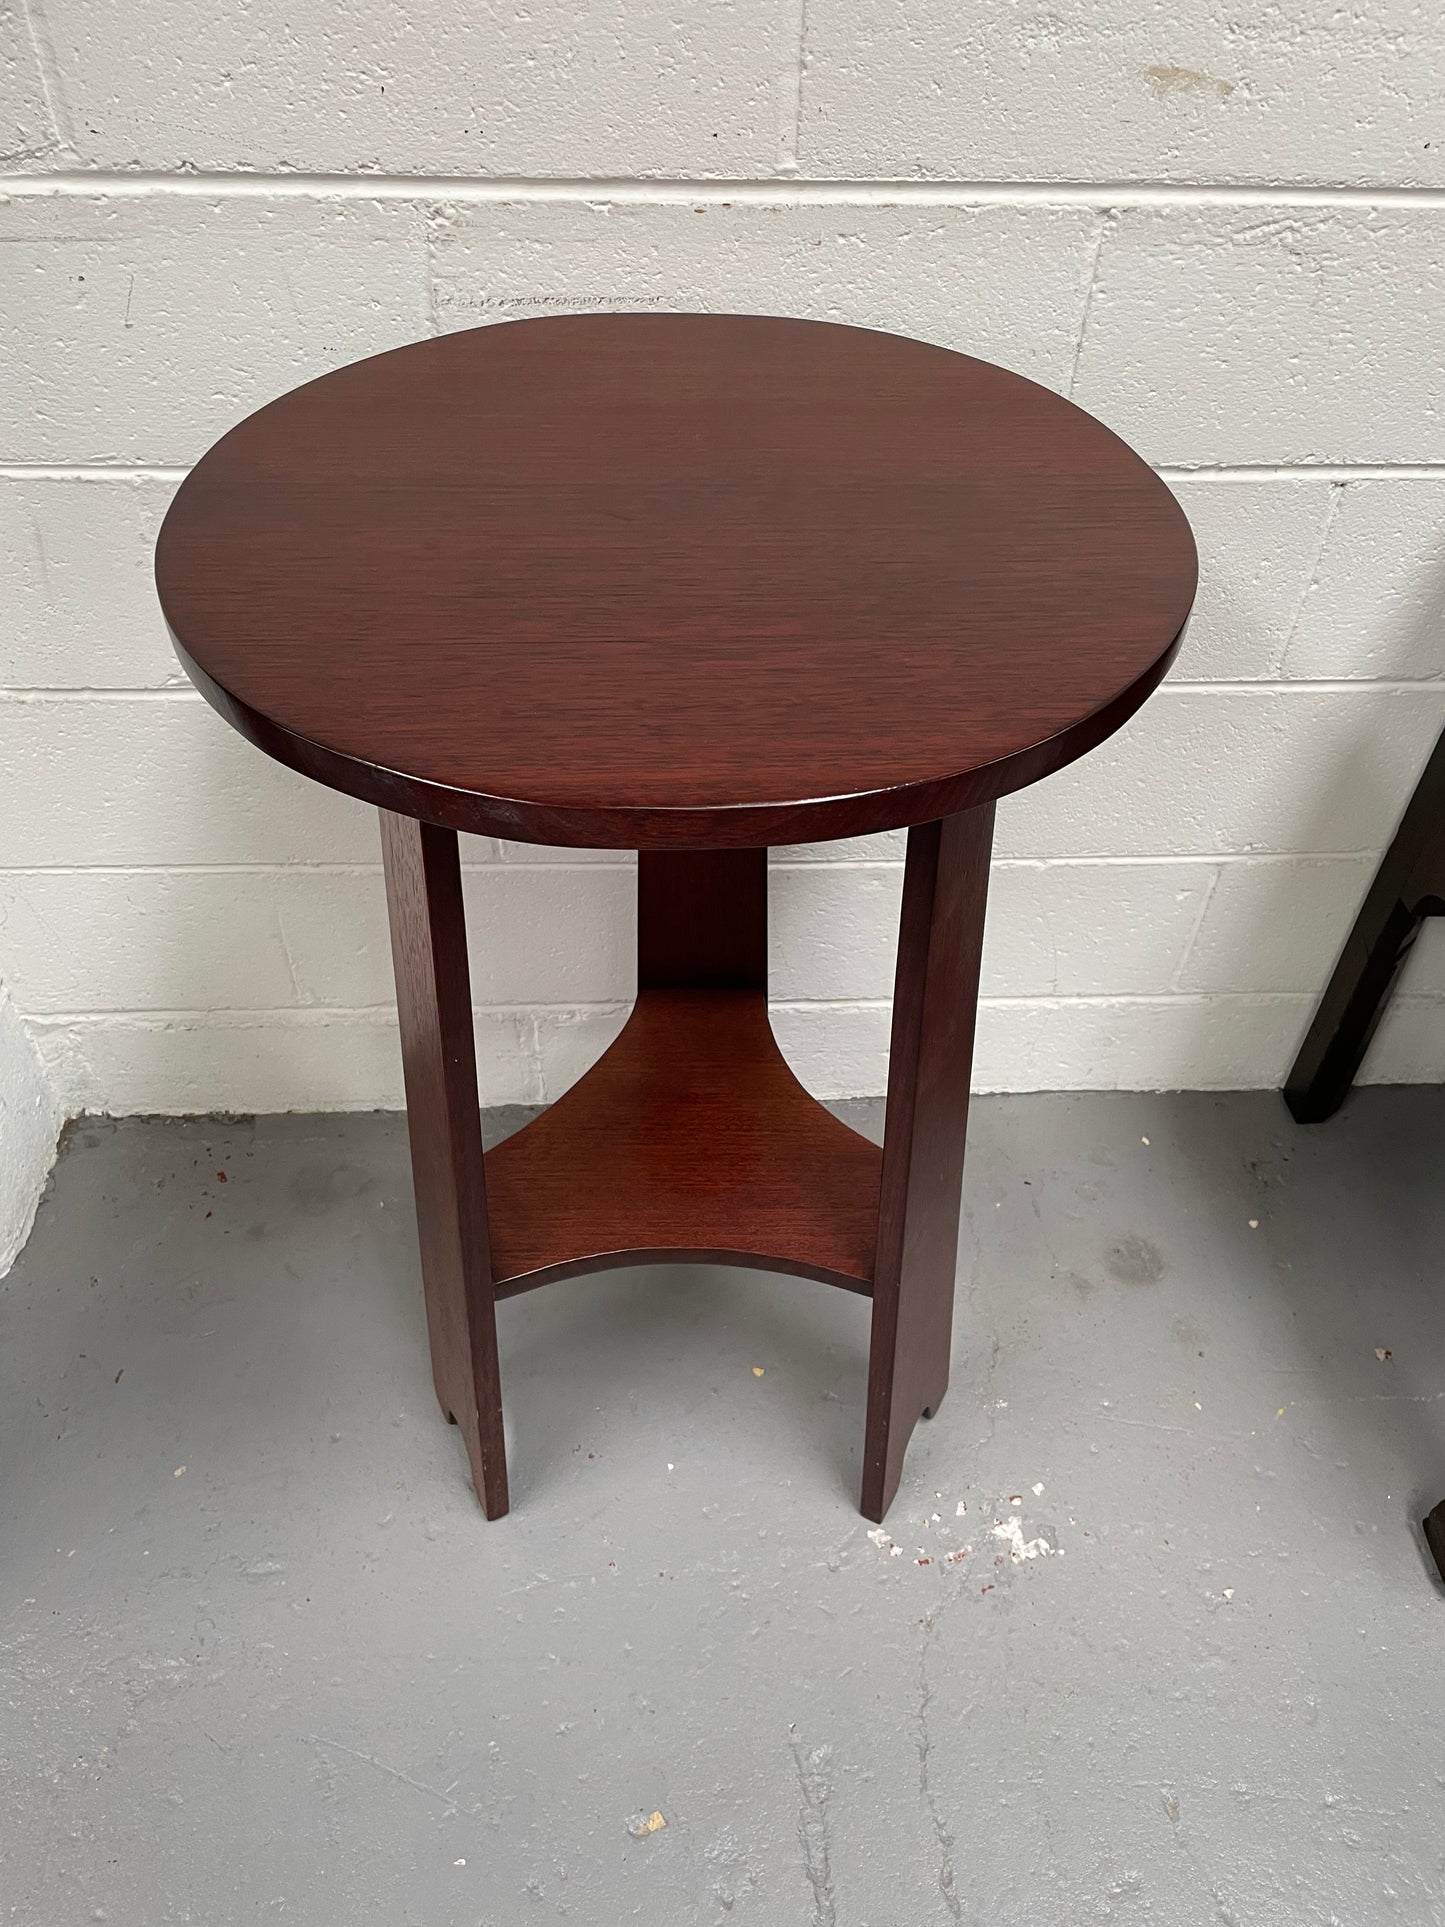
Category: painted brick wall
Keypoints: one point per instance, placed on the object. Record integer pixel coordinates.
(1224, 233)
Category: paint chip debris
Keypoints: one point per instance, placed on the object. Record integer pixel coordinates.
(1254, 1224)
(1228, 1594)
(459, 1863)
(884, 1544)
(642, 1824)
(962, 1508)
(1384, 1354)
(1037, 1491)
(758, 1370)
(1012, 1533)
(179, 1472)
(1143, 1140)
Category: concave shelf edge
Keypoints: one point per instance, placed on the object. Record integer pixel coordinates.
(690, 1140)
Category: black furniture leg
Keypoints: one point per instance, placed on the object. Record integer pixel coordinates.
(1435, 1535)
(1408, 887)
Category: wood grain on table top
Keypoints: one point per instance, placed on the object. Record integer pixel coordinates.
(664, 580)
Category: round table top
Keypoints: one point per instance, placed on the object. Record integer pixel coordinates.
(674, 580)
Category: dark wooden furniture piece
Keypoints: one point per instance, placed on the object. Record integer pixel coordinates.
(689, 585)
(1435, 1535)
(1408, 887)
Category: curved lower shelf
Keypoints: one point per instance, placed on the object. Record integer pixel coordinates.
(690, 1138)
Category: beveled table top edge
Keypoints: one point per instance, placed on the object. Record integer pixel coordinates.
(759, 824)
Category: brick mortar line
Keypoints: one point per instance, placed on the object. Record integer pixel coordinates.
(563, 867)
(1344, 472)
(1207, 897)
(37, 27)
(386, 1013)
(1218, 472)
(1106, 221)
(752, 190)
(790, 91)
(1327, 523)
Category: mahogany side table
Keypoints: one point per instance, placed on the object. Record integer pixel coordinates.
(689, 585)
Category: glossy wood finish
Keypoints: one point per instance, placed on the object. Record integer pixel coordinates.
(688, 585)
(674, 581)
(690, 1139)
(434, 1005)
(702, 920)
(935, 997)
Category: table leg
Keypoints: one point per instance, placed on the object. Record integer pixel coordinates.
(434, 1006)
(945, 889)
(702, 920)
(1408, 887)
(1435, 1535)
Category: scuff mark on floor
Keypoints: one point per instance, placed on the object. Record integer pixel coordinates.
(393, 1773)
(941, 1832)
(814, 1827)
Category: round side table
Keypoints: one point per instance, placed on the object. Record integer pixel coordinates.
(689, 585)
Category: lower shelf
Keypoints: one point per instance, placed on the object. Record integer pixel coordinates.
(690, 1138)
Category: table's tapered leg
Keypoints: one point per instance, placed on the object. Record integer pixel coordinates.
(434, 1005)
(935, 1001)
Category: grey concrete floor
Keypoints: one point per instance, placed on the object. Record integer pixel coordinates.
(1151, 1637)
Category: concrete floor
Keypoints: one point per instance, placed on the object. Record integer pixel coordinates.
(1151, 1637)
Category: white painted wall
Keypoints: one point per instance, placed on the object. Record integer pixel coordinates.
(30, 1120)
(1223, 232)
